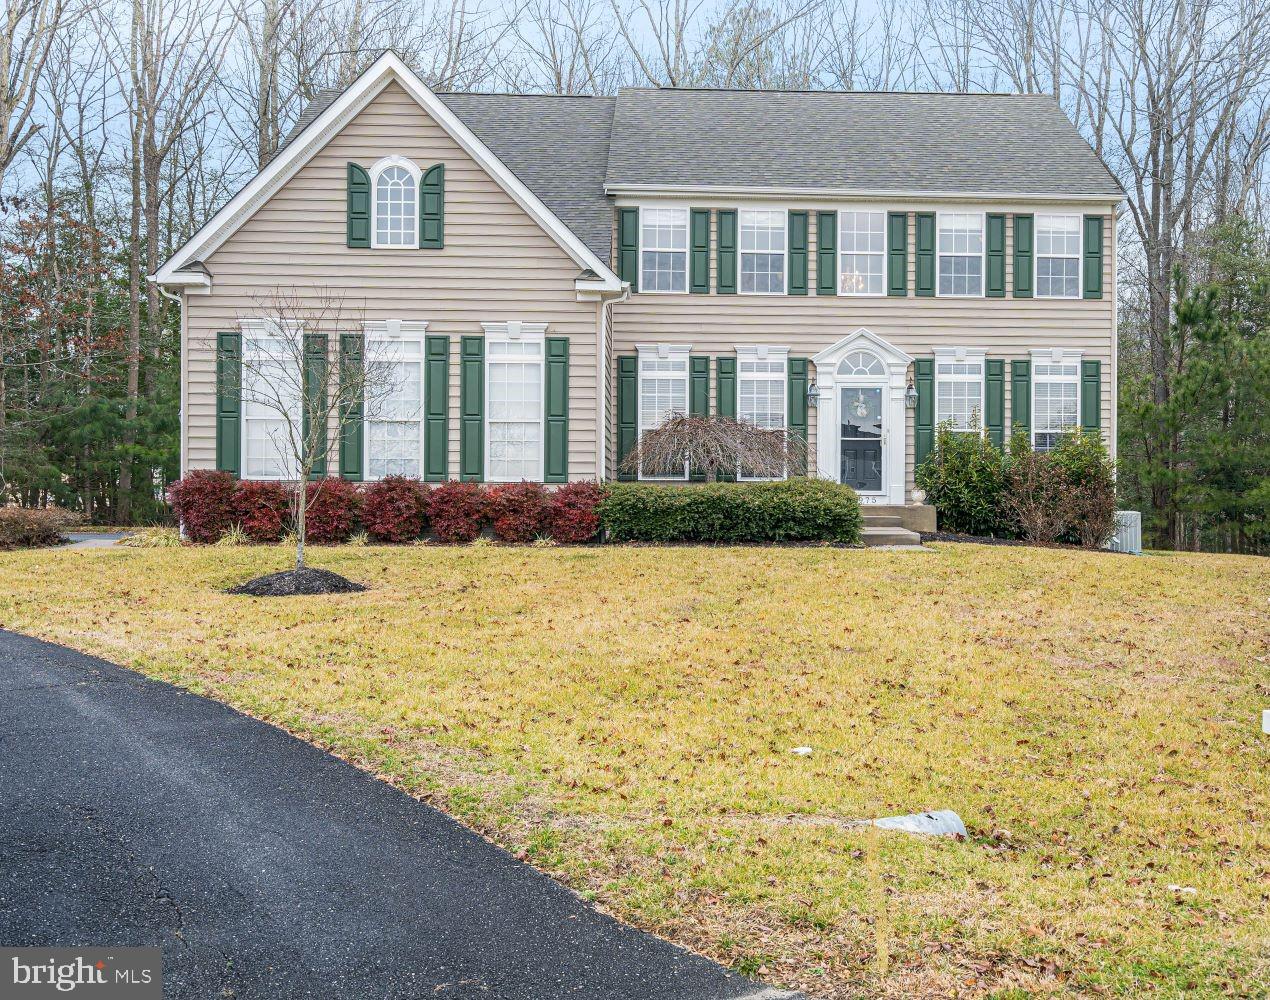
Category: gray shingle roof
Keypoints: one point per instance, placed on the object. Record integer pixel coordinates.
(557, 146)
(852, 142)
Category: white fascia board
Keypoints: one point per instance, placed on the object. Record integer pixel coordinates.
(384, 70)
(646, 191)
(189, 281)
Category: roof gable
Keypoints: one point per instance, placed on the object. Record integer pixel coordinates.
(323, 124)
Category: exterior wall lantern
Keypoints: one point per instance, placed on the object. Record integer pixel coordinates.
(910, 396)
(813, 394)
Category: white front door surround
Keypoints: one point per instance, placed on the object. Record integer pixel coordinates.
(863, 359)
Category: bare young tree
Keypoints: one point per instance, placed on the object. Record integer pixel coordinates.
(713, 445)
(570, 47)
(289, 373)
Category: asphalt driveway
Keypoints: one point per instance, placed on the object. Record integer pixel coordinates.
(133, 813)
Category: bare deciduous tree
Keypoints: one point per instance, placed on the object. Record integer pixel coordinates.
(714, 445)
(26, 37)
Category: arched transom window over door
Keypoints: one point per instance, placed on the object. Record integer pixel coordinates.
(396, 183)
(861, 364)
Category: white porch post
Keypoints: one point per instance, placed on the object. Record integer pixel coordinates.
(827, 426)
(896, 433)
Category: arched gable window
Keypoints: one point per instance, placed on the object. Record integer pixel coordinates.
(395, 218)
(861, 363)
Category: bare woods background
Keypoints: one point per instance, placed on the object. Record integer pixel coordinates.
(125, 123)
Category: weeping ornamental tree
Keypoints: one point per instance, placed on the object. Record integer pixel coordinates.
(713, 446)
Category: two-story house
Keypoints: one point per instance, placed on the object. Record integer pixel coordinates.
(561, 273)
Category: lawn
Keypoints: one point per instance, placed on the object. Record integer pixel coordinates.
(623, 718)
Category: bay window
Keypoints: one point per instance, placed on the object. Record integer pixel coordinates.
(960, 253)
(394, 410)
(1055, 397)
(663, 392)
(959, 388)
(1058, 256)
(514, 415)
(763, 251)
(862, 253)
(761, 389)
(663, 258)
(272, 386)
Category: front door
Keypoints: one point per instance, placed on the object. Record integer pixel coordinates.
(861, 439)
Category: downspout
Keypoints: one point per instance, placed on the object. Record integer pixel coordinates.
(602, 390)
(184, 386)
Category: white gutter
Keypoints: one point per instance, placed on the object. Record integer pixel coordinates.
(723, 191)
(603, 371)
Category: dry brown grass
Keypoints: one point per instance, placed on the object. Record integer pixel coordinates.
(622, 717)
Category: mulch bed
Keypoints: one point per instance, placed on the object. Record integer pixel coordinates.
(297, 582)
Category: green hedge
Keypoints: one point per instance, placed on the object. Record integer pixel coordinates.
(794, 510)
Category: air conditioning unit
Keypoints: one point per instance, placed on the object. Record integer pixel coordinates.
(1128, 536)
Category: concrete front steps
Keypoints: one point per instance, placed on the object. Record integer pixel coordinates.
(892, 524)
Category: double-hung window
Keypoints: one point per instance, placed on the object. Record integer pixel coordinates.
(514, 402)
(663, 393)
(394, 404)
(959, 388)
(395, 182)
(763, 251)
(1058, 256)
(761, 388)
(862, 239)
(960, 253)
(272, 387)
(1055, 396)
(663, 258)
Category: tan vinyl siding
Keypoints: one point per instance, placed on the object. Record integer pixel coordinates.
(497, 265)
(1005, 328)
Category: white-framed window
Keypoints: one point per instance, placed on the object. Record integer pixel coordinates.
(960, 251)
(663, 391)
(1055, 396)
(394, 412)
(763, 242)
(395, 203)
(862, 253)
(1058, 256)
(272, 387)
(959, 388)
(514, 401)
(663, 250)
(762, 387)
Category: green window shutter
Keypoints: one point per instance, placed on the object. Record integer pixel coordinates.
(994, 400)
(432, 208)
(698, 396)
(627, 409)
(1023, 266)
(725, 396)
(1093, 256)
(472, 409)
(897, 253)
(797, 253)
(995, 245)
(826, 253)
(316, 362)
(699, 264)
(556, 457)
(726, 256)
(358, 206)
(924, 418)
(352, 440)
(925, 254)
(628, 246)
(1090, 395)
(229, 401)
(436, 408)
(798, 376)
(1021, 396)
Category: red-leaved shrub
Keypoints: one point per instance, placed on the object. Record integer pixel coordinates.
(331, 511)
(572, 514)
(457, 511)
(517, 511)
(395, 509)
(262, 509)
(204, 502)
